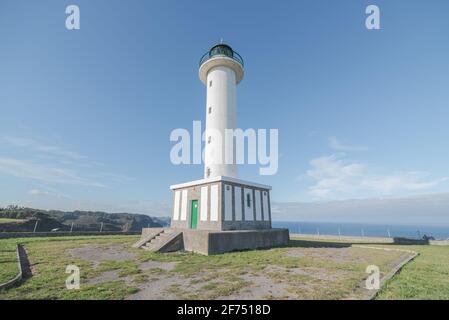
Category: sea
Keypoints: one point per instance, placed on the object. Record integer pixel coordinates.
(367, 230)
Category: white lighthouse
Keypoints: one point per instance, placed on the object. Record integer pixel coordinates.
(221, 70)
(220, 212)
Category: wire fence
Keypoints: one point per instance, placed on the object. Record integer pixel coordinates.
(358, 230)
(39, 227)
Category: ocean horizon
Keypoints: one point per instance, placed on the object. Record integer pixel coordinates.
(365, 229)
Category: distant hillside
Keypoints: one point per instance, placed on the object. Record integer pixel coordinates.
(82, 220)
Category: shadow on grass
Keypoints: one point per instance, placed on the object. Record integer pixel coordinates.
(25, 263)
(296, 243)
(301, 243)
(414, 242)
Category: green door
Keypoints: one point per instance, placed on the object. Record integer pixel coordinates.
(194, 220)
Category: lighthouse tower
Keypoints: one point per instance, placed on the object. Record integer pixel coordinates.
(219, 212)
(221, 70)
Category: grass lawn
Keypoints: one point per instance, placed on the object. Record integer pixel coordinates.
(49, 258)
(307, 269)
(427, 277)
(8, 260)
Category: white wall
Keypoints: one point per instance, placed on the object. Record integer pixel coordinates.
(176, 205)
(221, 97)
(238, 204)
(214, 203)
(266, 214)
(228, 202)
(203, 203)
(184, 205)
(258, 204)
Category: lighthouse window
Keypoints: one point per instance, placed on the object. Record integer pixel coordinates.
(209, 139)
(208, 172)
(210, 83)
(210, 110)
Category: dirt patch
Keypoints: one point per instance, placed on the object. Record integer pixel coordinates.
(162, 288)
(97, 254)
(338, 255)
(104, 277)
(167, 266)
(261, 287)
(307, 272)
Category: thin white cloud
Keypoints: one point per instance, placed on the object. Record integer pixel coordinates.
(44, 172)
(336, 177)
(39, 192)
(31, 158)
(337, 145)
(41, 147)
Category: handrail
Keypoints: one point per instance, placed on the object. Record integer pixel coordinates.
(235, 56)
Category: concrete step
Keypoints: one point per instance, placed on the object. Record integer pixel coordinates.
(150, 234)
(165, 242)
(153, 234)
(162, 240)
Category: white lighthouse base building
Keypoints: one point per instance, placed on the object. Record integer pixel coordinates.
(224, 214)
(217, 215)
(221, 203)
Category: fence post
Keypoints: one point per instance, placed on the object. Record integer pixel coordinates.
(318, 231)
(389, 235)
(71, 228)
(299, 228)
(339, 233)
(101, 228)
(35, 226)
(363, 233)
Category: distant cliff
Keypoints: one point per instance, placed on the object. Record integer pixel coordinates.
(82, 220)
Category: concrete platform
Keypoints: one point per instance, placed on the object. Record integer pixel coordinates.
(216, 242)
(208, 242)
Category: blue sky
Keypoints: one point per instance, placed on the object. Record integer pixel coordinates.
(86, 114)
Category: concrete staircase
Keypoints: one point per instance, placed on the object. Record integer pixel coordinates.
(161, 240)
(149, 234)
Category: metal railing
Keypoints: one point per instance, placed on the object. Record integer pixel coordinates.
(234, 55)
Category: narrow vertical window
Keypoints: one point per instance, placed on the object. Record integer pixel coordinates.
(210, 83)
(248, 200)
(210, 110)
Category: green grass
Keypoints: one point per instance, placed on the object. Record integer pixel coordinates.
(424, 278)
(427, 277)
(7, 220)
(328, 275)
(49, 258)
(8, 261)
